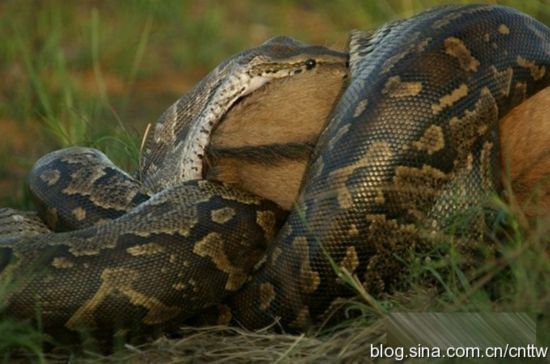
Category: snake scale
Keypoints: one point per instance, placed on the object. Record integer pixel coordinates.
(411, 144)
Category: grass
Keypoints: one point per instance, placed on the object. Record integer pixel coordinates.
(96, 73)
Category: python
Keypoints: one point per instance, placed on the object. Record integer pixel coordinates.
(368, 150)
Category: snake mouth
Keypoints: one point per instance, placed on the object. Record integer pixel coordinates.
(228, 91)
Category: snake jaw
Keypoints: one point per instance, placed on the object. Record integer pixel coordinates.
(240, 81)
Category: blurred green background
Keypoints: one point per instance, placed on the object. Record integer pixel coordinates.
(96, 72)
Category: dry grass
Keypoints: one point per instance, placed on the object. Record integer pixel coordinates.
(233, 345)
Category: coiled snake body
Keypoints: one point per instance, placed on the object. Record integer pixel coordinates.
(411, 144)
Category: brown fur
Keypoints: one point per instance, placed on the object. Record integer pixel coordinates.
(252, 147)
(525, 141)
(265, 141)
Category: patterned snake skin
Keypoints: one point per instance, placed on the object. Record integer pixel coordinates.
(411, 145)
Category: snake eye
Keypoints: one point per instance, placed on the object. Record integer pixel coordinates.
(310, 63)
